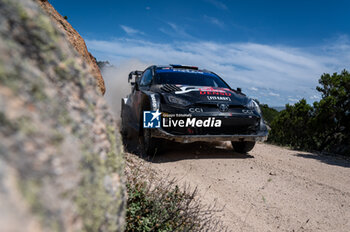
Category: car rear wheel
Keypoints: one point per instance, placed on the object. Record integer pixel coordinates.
(243, 147)
(150, 146)
(123, 130)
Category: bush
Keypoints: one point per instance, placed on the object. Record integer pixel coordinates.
(160, 205)
(331, 121)
(323, 127)
(268, 113)
(291, 126)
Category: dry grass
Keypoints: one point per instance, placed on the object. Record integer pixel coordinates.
(159, 204)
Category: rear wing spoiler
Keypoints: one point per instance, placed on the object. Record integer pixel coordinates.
(136, 74)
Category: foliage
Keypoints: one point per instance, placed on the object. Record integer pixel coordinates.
(159, 205)
(268, 113)
(332, 113)
(103, 64)
(325, 126)
(290, 127)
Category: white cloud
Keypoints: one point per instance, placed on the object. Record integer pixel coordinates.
(218, 4)
(293, 100)
(130, 30)
(315, 97)
(214, 21)
(274, 94)
(261, 70)
(176, 31)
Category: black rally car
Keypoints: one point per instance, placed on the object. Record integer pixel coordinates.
(186, 104)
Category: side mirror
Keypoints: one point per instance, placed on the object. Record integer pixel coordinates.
(136, 86)
(239, 90)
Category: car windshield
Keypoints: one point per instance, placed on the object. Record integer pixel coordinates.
(188, 77)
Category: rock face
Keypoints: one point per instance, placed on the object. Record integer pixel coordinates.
(76, 40)
(60, 156)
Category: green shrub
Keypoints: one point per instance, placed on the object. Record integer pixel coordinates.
(160, 205)
(291, 126)
(331, 122)
(268, 113)
(325, 126)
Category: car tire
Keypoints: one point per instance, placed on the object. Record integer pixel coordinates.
(150, 146)
(243, 147)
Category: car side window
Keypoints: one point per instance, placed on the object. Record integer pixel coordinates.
(146, 78)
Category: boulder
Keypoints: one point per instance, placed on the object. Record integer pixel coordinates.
(61, 164)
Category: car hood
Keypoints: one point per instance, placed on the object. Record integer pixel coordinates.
(202, 94)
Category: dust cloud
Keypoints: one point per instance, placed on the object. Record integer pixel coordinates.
(116, 82)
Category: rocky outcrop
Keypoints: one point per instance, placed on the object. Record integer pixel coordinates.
(76, 40)
(60, 156)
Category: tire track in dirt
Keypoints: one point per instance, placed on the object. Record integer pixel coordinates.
(269, 189)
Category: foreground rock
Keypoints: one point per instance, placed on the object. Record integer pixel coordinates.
(76, 40)
(60, 156)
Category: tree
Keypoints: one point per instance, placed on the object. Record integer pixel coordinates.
(103, 64)
(268, 113)
(332, 112)
(291, 126)
(323, 127)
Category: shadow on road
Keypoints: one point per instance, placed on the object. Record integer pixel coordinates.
(331, 160)
(172, 151)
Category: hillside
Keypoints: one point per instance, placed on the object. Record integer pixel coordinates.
(76, 40)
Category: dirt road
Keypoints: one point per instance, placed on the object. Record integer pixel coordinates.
(269, 189)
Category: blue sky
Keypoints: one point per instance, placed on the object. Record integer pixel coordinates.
(274, 50)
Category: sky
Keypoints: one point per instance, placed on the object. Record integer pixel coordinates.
(274, 50)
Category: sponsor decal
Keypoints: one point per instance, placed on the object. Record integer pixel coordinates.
(187, 71)
(204, 91)
(212, 91)
(151, 119)
(218, 98)
(186, 90)
(195, 110)
(154, 101)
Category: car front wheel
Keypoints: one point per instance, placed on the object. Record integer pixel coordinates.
(150, 146)
(243, 147)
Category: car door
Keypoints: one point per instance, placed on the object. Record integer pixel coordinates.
(142, 85)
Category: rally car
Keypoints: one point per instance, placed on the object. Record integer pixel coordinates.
(187, 104)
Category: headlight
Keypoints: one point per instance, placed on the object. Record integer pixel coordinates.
(178, 101)
(253, 106)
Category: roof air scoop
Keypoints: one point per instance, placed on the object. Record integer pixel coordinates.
(183, 66)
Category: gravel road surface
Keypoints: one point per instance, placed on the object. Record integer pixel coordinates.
(269, 189)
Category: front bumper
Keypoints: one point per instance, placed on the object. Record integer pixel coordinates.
(160, 133)
(236, 126)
